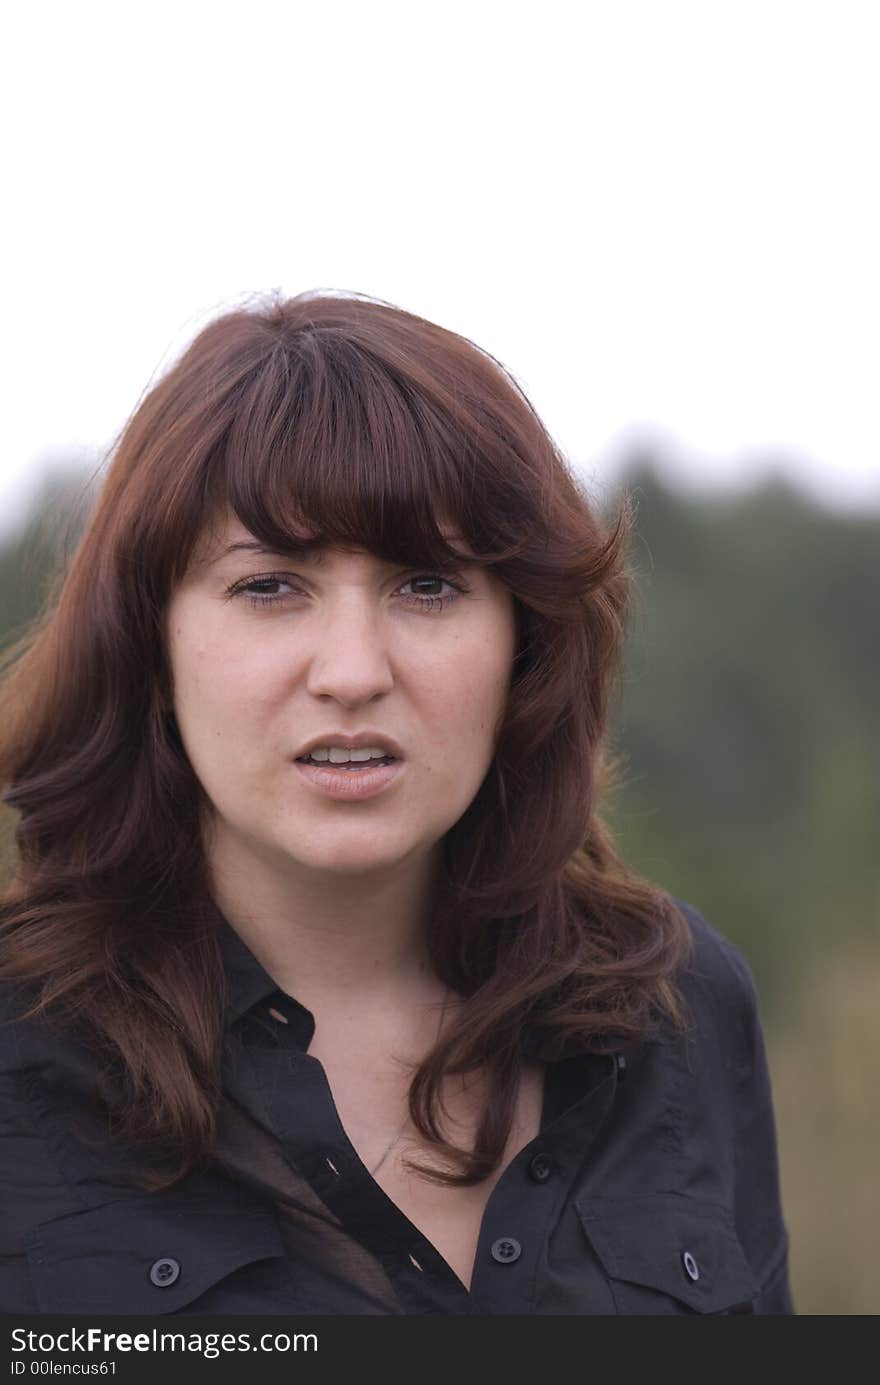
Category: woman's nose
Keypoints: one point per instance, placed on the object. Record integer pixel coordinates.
(350, 659)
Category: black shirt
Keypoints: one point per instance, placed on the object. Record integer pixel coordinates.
(652, 1187)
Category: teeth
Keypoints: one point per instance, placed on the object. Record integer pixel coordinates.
(340, 755)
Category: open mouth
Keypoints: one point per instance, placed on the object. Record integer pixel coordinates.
(351, 766)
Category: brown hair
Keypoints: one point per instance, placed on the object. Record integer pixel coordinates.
(365, 423)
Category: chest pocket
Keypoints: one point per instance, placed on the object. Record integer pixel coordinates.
(665, 1254)
(153, 1254)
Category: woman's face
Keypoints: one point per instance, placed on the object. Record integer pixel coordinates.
(351, 644)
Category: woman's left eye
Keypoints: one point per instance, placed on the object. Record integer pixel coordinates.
(425, 601)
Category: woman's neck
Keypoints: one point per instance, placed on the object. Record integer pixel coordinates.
(358, 941)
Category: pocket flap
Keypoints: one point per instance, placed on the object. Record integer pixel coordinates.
(679, 1246)
(150, 1254)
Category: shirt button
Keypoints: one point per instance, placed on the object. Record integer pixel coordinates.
(691, 1265)
(164, 1272)
(505, 1250)
(540, 1168)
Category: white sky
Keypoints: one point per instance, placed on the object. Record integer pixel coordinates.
(663, 217)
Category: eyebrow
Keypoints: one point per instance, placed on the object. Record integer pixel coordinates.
(254, 546)
(299, 554)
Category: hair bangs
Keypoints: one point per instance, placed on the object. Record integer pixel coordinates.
(334, 449)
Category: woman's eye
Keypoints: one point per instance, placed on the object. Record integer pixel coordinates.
(431, 599)
(249, 590)
(426, 600)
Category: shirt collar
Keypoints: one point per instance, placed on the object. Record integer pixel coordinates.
(249, 984)
(247, 980)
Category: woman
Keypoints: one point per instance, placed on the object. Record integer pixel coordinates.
(324, 989)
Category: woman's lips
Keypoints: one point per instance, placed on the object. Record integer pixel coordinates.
(335, 781)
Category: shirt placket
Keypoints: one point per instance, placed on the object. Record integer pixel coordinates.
(529, 1197)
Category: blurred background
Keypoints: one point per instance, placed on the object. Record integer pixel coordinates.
(662, 219)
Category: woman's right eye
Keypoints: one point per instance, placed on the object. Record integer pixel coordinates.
(260, 598)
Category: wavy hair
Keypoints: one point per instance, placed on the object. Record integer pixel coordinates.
(365, 423)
